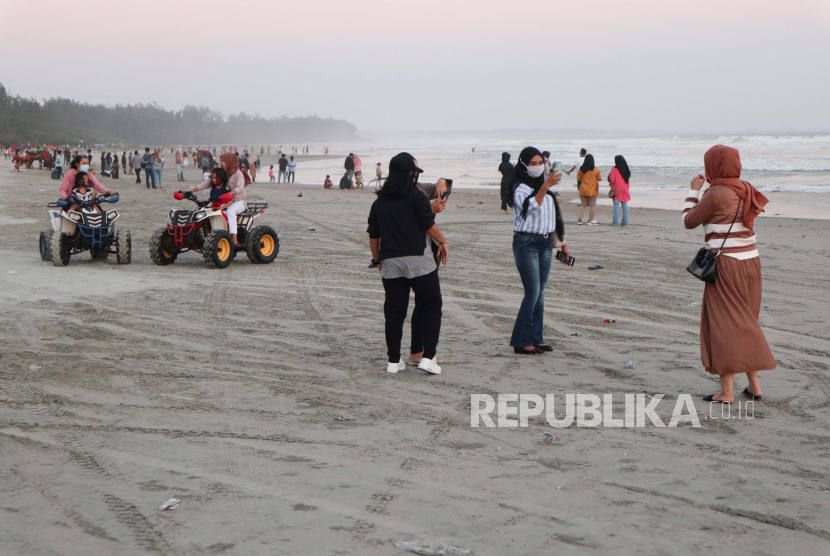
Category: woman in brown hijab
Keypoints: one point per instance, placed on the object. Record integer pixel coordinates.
(238, 180)
(731, 341)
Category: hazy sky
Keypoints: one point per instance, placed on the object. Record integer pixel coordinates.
(678, 65)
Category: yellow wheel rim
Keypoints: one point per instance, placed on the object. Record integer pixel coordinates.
(223, 249)
(266, 245)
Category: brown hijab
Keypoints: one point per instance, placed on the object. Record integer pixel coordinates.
(232, 165)
(723, 167)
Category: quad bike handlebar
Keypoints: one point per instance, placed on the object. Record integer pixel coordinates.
(104, 198)
(190, 196)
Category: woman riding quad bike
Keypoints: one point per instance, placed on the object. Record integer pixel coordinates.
(80, 164)
(235, 181)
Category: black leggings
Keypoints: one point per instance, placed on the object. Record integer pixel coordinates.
(426, 318)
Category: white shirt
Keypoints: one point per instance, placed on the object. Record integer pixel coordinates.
(540, 219)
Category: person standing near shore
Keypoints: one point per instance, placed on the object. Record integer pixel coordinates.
(292, 168)
(58, 163)
(506, 169)
(578, 164)
(179, 170)
(588, 177)
(731, 341)
(283, 165)
(400, 220)
(349, 166)
(538, 227)
(618, 180)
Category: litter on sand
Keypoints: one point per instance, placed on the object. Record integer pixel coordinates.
(171, 504)
(430, 548)
(312, 229)
(629, 364)
(694, 304)
(300, 195)
(547, 439)
(34, 367)
(596, 267)
(608, 320)
(576, 334)
(344, 418)
(46, 339)
(12, 272)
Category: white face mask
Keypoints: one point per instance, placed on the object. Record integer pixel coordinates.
(535, 171)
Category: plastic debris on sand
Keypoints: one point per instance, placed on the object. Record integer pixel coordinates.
(629, 364)
(344, 418)
(430, 548)
(171, 504)
(547, 439)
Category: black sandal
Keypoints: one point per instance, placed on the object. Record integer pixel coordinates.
(544, 347)
(523, 351)
(711, 398)
(754, 397)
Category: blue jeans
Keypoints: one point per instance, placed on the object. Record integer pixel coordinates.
(157, 176)
(617, 213)
(282, 174)
(533, 256)
(149, 177)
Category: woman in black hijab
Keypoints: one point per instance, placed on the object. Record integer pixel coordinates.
(506, 169)
(538, 227)
(400, 221)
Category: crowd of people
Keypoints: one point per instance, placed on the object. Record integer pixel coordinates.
(588, 177)
(408, 248)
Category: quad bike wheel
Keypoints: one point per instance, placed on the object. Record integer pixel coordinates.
(46, 245)
(123, 246)
(218, 250)
(262, 245)
(163, 248)
(60, 249)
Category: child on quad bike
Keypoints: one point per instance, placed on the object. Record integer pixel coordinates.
(236, 182)
(83, 192)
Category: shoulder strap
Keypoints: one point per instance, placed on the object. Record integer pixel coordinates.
(730, 227)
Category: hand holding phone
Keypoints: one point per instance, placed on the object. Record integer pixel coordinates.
(565, 259)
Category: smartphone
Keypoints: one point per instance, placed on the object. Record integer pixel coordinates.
(560, 256)
(446, 195)
(557, 167)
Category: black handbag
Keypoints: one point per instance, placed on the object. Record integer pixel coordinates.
(705, 264)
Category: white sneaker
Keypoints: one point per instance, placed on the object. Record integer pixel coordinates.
(579, 222)
(393, 368)
(430, 366)
(593, 223)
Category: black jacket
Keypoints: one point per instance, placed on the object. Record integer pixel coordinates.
(349, 164)
(401, 224)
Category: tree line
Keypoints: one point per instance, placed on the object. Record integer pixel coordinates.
(64, 121)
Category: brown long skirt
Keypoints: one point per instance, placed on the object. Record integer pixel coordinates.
(731, 341)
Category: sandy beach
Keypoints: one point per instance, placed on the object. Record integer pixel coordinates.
(124, 386)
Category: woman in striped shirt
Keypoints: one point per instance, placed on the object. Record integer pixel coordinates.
(538, 227)
(731, 341)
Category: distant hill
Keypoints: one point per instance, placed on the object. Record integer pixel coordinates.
(65, 121)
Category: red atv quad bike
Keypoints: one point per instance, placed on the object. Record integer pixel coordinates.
(204, 230)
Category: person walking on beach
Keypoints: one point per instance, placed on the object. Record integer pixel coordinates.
(618, 180)
(157, 164)
(588, 177)
(115, 166)
(58, 163)
(400, 220)
(506, 169)
(124, 162)
(538, 227)
(378, 173)
(147, 164)
(283, 165)
(252, 168)
(271, 174)
(137, 166)
(292, 167)
(731, 341)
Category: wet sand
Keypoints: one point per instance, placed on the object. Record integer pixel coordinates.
(124, 386)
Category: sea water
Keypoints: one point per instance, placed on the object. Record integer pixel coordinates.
(661, 167)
